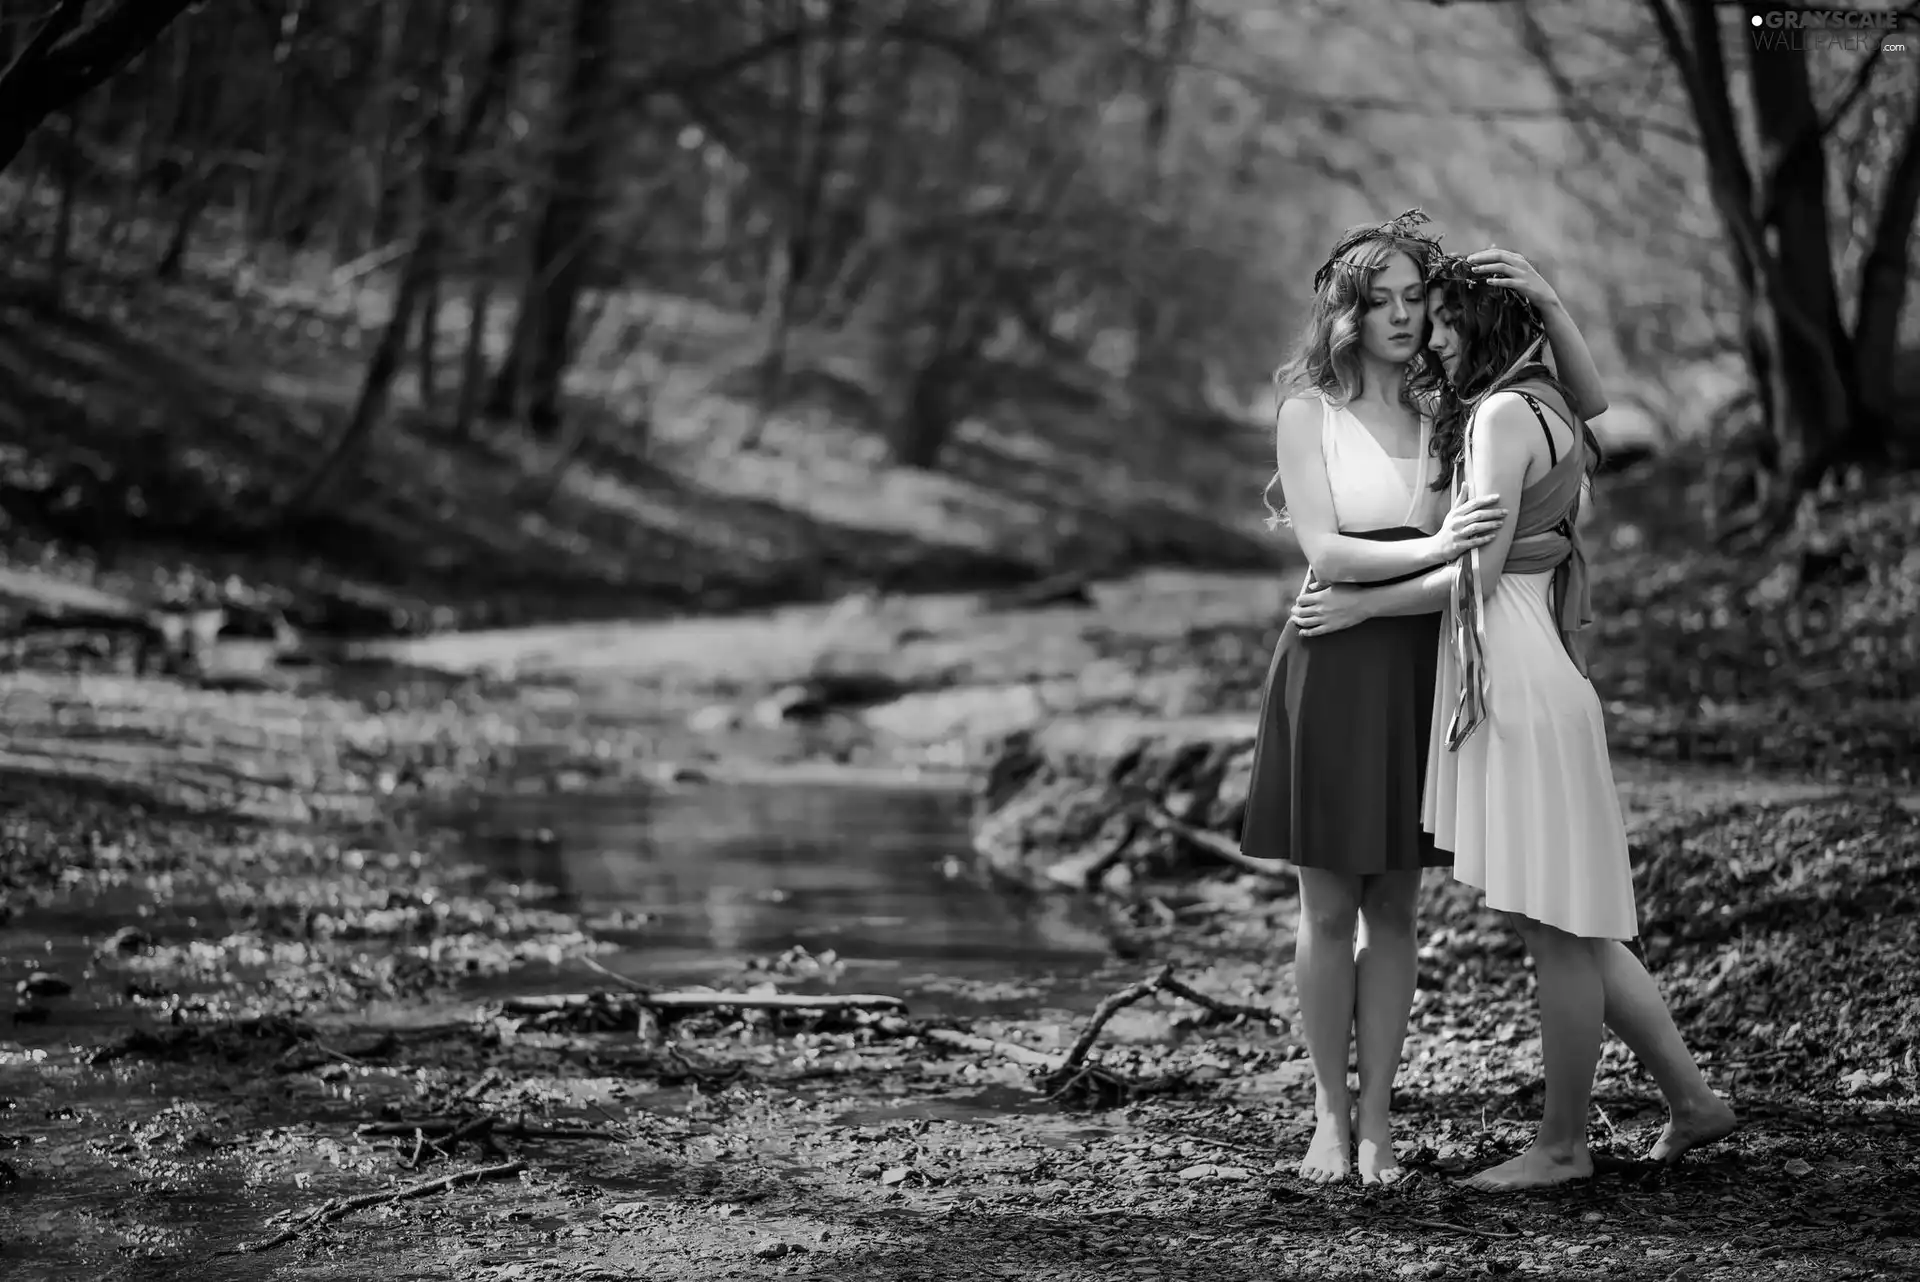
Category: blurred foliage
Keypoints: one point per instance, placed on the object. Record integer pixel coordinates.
(908, 216)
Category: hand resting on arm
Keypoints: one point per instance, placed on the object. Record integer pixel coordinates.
(1504, 430)
(1342, 558)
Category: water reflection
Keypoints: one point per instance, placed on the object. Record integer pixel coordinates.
(879, 874)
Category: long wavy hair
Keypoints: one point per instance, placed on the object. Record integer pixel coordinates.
(1501, 337)
(1325, 360)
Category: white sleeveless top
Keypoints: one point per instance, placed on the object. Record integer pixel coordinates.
(1372, 490)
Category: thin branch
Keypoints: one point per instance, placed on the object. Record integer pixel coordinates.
(1575, 112)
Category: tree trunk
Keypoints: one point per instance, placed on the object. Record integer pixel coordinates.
(60, 253)
(1811, 411)
(64, 60)
(783, 259)
(382, 164)
(174, 260)
(1157, 367)
(934, 346)
(1777, 235)
(820, 153)
(890, 71)
(563, 241)
(1883, 281)
(473, 357)
(439, 186)
(438, 106)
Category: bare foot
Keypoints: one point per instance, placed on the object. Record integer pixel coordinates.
(1326, 1160)
(1537, 1168)
(1377, 1163)
(1692, 1128)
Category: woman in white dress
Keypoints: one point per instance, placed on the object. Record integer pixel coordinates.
(1519, 785)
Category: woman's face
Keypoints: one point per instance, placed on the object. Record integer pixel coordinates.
(1390, 329)
(1443, 339)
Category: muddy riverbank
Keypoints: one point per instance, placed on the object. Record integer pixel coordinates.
(295, 916)
(276, 1025)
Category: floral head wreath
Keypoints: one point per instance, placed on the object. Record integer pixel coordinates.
(1451, 267)
(1403, 227)
(1455, 269)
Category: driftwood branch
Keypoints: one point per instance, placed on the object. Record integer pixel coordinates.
(1231, 1010)
(1110, 1005)
(1071, 1076)
(340, 1208)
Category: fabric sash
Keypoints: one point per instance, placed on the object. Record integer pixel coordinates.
(1546, 537)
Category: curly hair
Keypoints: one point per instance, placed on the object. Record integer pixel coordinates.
(1325, 360)
(1500, 336)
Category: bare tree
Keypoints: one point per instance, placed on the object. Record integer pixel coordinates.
(1820, 404)
(67, 57)
(563, 247)
(439, 187)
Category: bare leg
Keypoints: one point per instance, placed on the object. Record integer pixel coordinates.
(1572, 1006)
(1323, 972)
(1636, 1012)
(1385, 969)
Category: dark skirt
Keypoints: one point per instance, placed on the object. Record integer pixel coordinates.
(1340, 760)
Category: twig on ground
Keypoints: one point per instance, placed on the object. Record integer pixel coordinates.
(1232, 1010)
(446, 1131)
(1111, 1005)
(1070, 1075)
(626, 1134)
(1074, 1074)
(615, 976)
(341, 1208)
(1237, 1147)
(490, 1079)
(561, 1003)
(1460, 1228)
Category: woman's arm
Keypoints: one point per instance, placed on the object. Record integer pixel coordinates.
(1339, 606)
(1502, 448)
(1571, 359)
(1574, 363)
(1504, 430)
(1337, 557)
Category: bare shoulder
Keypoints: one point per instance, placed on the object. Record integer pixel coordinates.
(1298, 421)
(1504, 421)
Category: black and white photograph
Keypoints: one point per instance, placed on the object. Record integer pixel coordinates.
(919, 640)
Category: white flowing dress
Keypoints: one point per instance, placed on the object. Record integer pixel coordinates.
(1528, 804)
